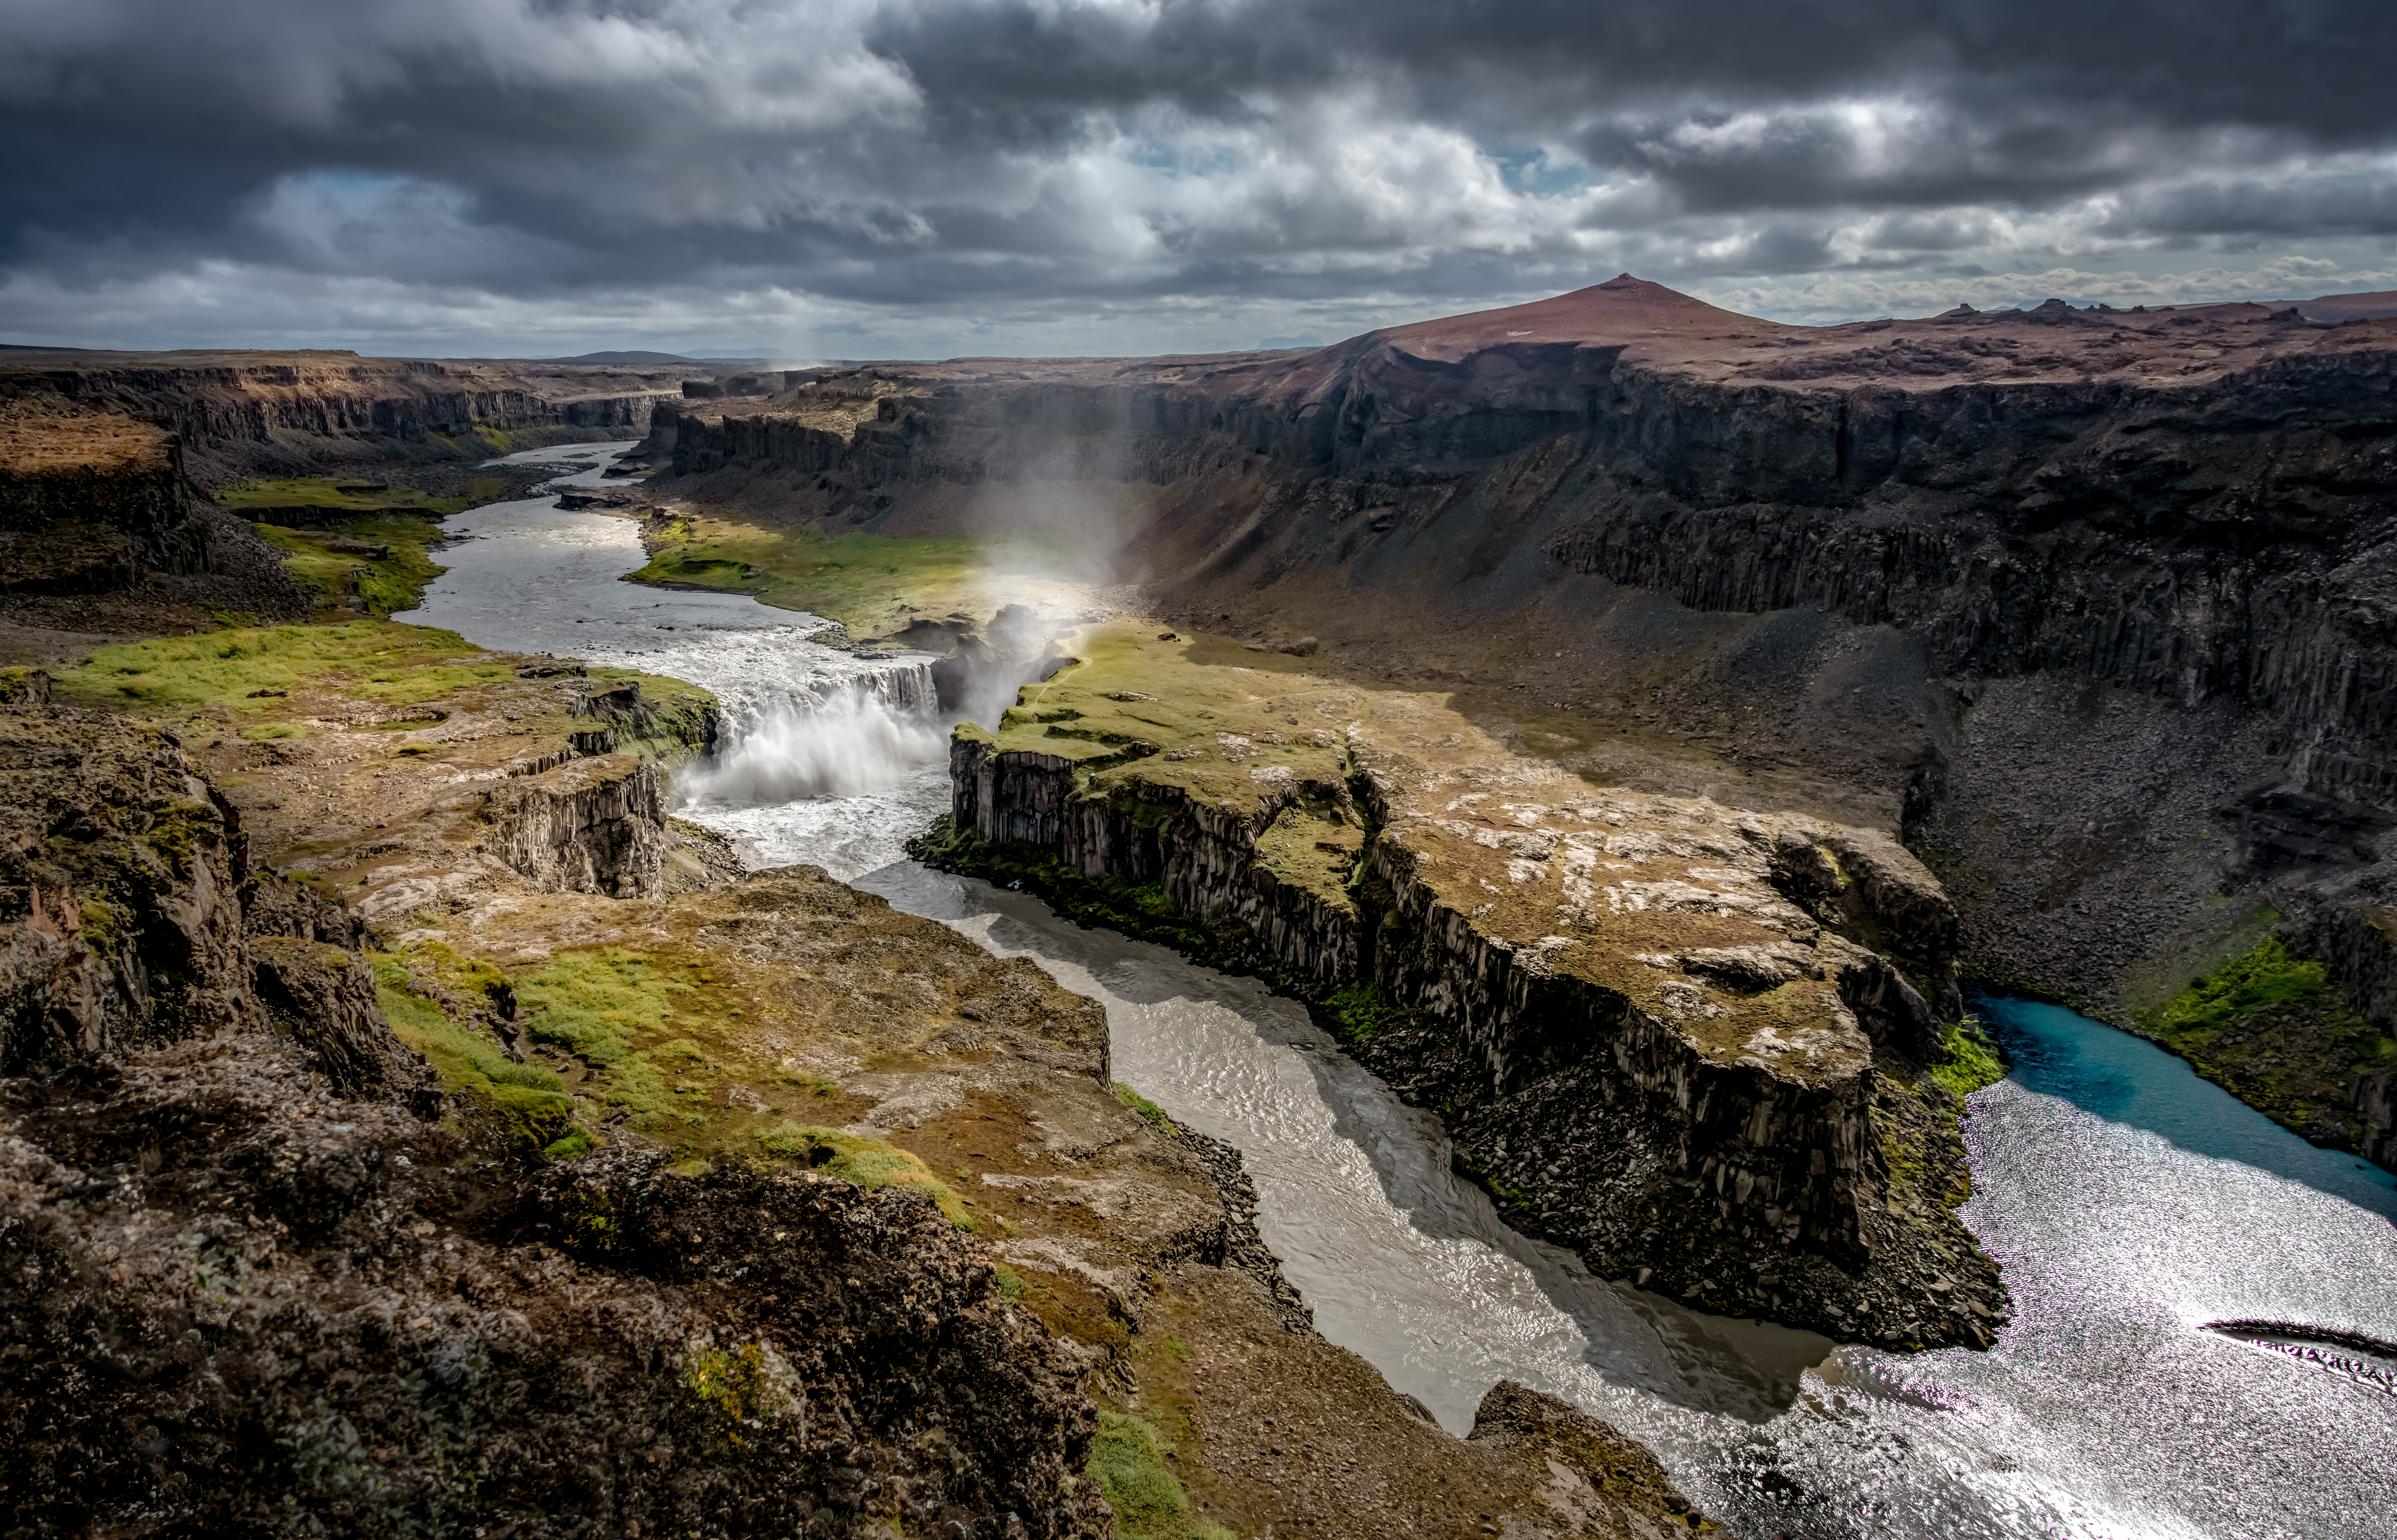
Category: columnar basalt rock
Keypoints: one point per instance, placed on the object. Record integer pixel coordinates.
(592, 825)
(90, 501)
(1688, 1039)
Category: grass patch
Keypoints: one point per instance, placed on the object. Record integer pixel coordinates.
(1357, 1011)
(2267, 1027)
(1972, 1061)
(249, 671)
(529, 1099)
(1128, 1461)
(595, 1003)
(1010, 1282)
(870, 583)
(394, 580)
(643, 1025)
(1149, 1111)
(2266, 977)
(869, 1163)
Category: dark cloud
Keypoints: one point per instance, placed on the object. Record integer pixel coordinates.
(931, 155)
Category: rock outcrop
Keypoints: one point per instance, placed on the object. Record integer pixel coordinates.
(90, 501)
(241, 1302)
(1688, 1039)
(239, 413)
(121, 921)
(249, 1288)
(589, 827)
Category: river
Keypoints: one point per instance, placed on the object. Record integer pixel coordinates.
(2130, 1203)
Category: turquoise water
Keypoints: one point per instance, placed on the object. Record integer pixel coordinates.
(2125, 1079)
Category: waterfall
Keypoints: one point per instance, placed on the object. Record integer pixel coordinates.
(844, 736)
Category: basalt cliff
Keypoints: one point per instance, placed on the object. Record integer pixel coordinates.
(2092, 608)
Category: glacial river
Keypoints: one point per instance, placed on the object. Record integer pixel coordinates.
(2130, 1203)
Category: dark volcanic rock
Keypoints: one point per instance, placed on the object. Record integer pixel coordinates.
(238, 1303)
(120, 877)
(246, 1289)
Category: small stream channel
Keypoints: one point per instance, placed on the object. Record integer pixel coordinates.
(2131, 1204)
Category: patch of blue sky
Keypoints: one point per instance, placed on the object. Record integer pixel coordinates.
(1538, 171)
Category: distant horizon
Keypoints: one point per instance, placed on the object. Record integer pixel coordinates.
(791, 361)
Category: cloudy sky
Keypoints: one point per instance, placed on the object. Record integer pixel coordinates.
(926, 178)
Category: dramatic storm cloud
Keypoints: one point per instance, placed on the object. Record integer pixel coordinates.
(841, 178)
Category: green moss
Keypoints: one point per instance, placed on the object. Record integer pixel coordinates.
(543, 1118)
(1010, 1281)
(1149, 1111)
(390, 582)
(735, 1382)
(2269, 976)
(1357, 1011)
(319, 491)
(528, 1099)
(1972, 1061)
(1128, 1462)
(867, 582)
(249, 672)
(597, 1003)
(866, 1161)
(589, 1225)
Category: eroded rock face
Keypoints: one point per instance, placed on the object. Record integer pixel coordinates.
(590, 826)
(120, 875)
(90, 501)
(1688, 1039)
(248, 1288)
(1941, 521)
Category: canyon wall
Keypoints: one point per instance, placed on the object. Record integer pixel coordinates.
(1722, 1122)
(2229, 530)
(239, 1223)
(242, 414)
(2099, 607)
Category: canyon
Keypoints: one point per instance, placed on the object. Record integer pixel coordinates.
(1632, 730)
(2091, 607)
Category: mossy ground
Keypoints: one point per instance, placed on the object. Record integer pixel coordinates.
(251, 672)
(2265, 1026)
(285, 681)
(867, 1161)
(318, 491)
(870, 583)
(429, 995)
(1128, 1460)
(392, 582)
(1973, 1060)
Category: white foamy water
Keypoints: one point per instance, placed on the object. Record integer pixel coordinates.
(827, 757)
(2129, 1202)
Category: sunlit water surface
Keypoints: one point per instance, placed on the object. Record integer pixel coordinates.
(2129, 1202)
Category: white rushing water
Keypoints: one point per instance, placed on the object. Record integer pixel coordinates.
(2129, 1203)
